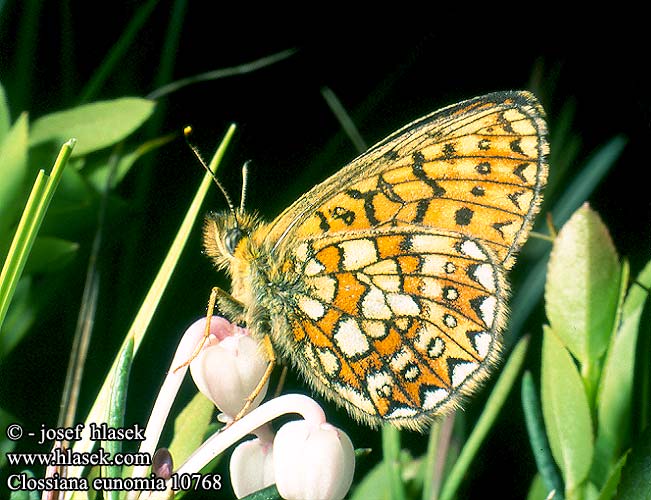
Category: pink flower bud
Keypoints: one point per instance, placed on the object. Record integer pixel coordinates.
(252, 467)
(229, 367)
(316, 462)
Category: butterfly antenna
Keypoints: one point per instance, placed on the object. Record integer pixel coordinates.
(186, 133)
(245, 184)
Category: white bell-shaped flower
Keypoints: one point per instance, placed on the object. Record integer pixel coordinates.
(314, 462)
(252, 467)
(229, 367)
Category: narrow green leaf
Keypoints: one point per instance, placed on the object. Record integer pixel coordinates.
(98, 174)
(594, 170)
(636, 474)
(537, 489)
(538, 438)
(121, 46)
(30, 222)
(615, 395)
(190, 427)
(5, 114)
(612, 482)
(95, 126)
(432, 479)
(392, 466)
(117, 407)
(13, 166)
(566, 412)
(503, 386)
(582, 289)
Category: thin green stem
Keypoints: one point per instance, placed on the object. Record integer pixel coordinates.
(492, 408)
(391, 450)
(432, 478)
(117, 52)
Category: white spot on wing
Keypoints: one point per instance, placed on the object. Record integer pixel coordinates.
(449, 320)
(472, 249)
(403, 305)
(358, 253)
(433, 398)
(350, 339)
(313, 308)
(313, 267)
(425, 243)
(375, 329)
(356, 398)
(483, 273)
(400, 359)
(461, 371)
(482, 342)
(374, 305)
(401, 412)
(323, 287)
(385, 266)
(301, 252)
(412, 372)
(329, 361)
(487, 309)
(380, 384)
(387, 283)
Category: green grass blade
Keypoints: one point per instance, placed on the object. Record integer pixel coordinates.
(222, 73)
(538, 438)
(391, 450)
(30, 222)
(117, 52)
(171, 44)
(432, 478)
(117, 408)
(503, 386)
(150, 303)
(14, 153)
(585, 182)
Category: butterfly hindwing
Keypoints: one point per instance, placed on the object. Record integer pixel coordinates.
(396, 323)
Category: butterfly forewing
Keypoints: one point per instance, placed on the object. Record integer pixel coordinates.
(477, 167)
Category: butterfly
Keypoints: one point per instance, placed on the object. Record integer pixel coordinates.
(385, 285)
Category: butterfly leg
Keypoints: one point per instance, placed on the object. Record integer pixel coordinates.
(215, 295)
(271, 356)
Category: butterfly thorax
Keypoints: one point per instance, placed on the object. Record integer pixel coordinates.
(236, 243)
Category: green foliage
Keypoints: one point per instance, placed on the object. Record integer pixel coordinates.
(95, 127)
(588, 363)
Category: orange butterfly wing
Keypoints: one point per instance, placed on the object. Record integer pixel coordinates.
(399, 259)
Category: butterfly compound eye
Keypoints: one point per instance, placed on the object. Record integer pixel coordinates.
(232, 238)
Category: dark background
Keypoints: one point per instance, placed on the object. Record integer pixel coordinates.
(386, 72)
